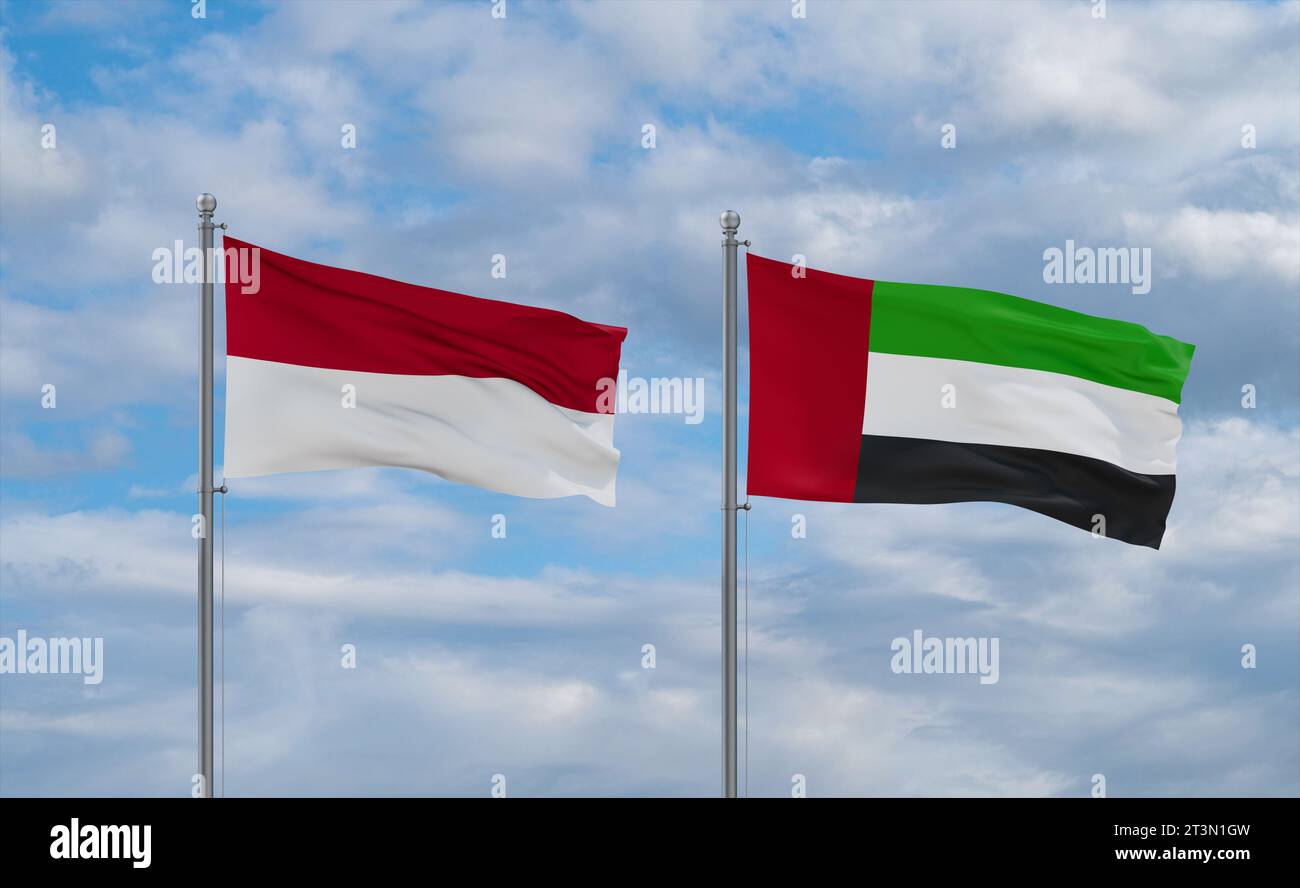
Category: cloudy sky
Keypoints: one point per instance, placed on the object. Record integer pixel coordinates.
(478, 135)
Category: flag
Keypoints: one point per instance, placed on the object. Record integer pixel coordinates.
(877, 392)
(328, 368)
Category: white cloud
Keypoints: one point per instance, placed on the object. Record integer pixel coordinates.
(23, 458)
(106, 353)
(1219, 244)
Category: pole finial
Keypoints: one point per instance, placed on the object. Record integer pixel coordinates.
(729, 220)
(206, 203)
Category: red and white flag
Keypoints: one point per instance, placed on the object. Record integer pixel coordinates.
(328, 369)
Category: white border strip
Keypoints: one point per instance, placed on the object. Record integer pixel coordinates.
(1016, 407)
(492, 433)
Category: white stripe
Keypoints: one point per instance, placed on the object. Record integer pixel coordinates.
(493, 433)
(1016, 407)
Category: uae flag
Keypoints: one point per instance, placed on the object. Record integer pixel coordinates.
(877, 392)
(329, 369)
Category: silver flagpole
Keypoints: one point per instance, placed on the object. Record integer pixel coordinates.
(207, 204)
(730, 221)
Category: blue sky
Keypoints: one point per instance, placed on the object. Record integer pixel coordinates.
(522, 136)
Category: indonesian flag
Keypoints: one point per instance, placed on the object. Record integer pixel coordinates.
(329, 369)
(877, 392)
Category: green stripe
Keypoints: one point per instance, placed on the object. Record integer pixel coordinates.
(994, 328)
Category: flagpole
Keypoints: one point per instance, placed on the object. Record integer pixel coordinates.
(730, 221)
(207, 204)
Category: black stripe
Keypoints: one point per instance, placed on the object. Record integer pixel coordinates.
(1066, 487)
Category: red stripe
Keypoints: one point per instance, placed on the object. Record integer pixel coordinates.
(319, 316)
(808, 343)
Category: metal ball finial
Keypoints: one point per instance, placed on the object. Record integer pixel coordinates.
(729, 220)
(206, 202)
